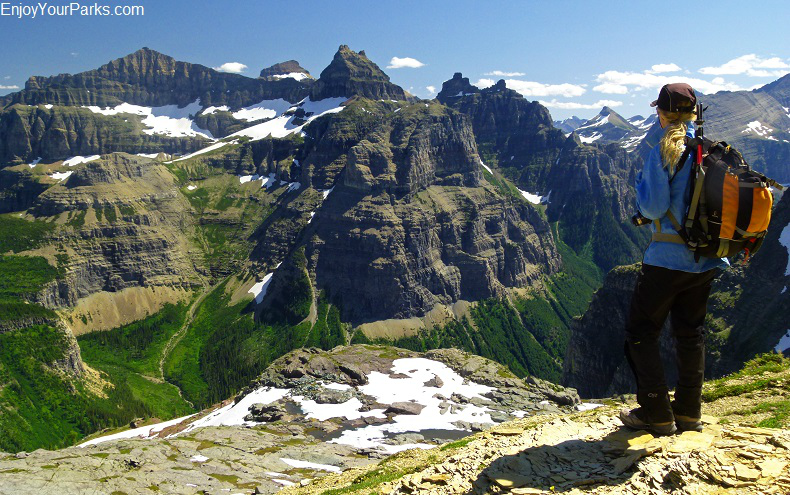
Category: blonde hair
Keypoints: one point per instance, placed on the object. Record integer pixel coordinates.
(673, 142)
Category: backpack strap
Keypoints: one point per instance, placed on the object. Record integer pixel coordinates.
(677, 237)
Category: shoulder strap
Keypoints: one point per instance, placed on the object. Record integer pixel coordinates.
(682, 162)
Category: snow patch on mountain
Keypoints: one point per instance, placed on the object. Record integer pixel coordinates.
(61, 176)
(590, 139)
(784, 343)
(259, 289)
(207, 149)
(284, 125)
(167, 120)
(532, 198)
(76, 160)
(142, 432)
(211, 110)
(266, 109)
(291, 75)
(759, 129)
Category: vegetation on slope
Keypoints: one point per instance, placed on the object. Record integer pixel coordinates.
(130, 355)
(528, 334)
(224, 347)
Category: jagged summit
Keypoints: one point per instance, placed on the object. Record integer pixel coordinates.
(570, 124)
(456, 87)
(289, 68)
(353, 74)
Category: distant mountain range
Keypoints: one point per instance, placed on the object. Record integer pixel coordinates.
(756, 122)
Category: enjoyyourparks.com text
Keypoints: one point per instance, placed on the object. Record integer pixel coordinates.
(44, 9)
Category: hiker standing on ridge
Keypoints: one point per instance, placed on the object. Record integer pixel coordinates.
(670, 280)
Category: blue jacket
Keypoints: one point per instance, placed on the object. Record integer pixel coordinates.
(654, 196)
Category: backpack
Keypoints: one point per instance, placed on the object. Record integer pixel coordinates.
(730, 205)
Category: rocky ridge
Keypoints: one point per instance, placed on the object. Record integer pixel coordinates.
(583, 185)
(591, 452)
(278, 444)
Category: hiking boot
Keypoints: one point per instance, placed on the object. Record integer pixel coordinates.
(687, 423)
(634, 420)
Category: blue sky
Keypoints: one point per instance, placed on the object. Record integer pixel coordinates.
(574, 56)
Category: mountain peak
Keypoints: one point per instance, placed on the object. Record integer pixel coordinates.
(353, 74)
(455, 87)
(284, 69)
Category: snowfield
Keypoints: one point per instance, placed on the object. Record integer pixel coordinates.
(142, 432)
(168, 120)
(265, 109)
(759, 129)
(76, 160)
(292, 75)
(532, 198)
(259, 289)
(284, 125)
(784, 240)
(61, 176)
(405, 382)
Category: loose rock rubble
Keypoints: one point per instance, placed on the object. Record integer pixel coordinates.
(592, 452)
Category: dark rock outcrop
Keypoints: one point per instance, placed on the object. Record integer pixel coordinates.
(284, 68)
(411, 224)
(354, 74)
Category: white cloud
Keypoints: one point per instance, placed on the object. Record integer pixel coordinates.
(7, 78)
(751, 65)
(408, 62)
(532, 88)
(572, 105)
(74, 54)
(647, 80)
(233, 67)
(659, 68)
(611, 88)
(500, 73)
(431, 89)
(9, 87)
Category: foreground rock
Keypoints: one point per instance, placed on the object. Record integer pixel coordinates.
(592, 452)
(310, 414)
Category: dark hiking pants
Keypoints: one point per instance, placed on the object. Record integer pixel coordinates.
(658, 292)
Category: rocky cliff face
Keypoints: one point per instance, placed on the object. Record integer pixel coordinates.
(411, 224)
(27, 132)
(147, 77)
(588, 188)
(124, 227)
(512, 133)
(353, 73)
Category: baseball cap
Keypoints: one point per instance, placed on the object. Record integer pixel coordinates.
(676, 97)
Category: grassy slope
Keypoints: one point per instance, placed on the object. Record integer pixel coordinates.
(224, 348)
(129, 356)
(41, 407)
